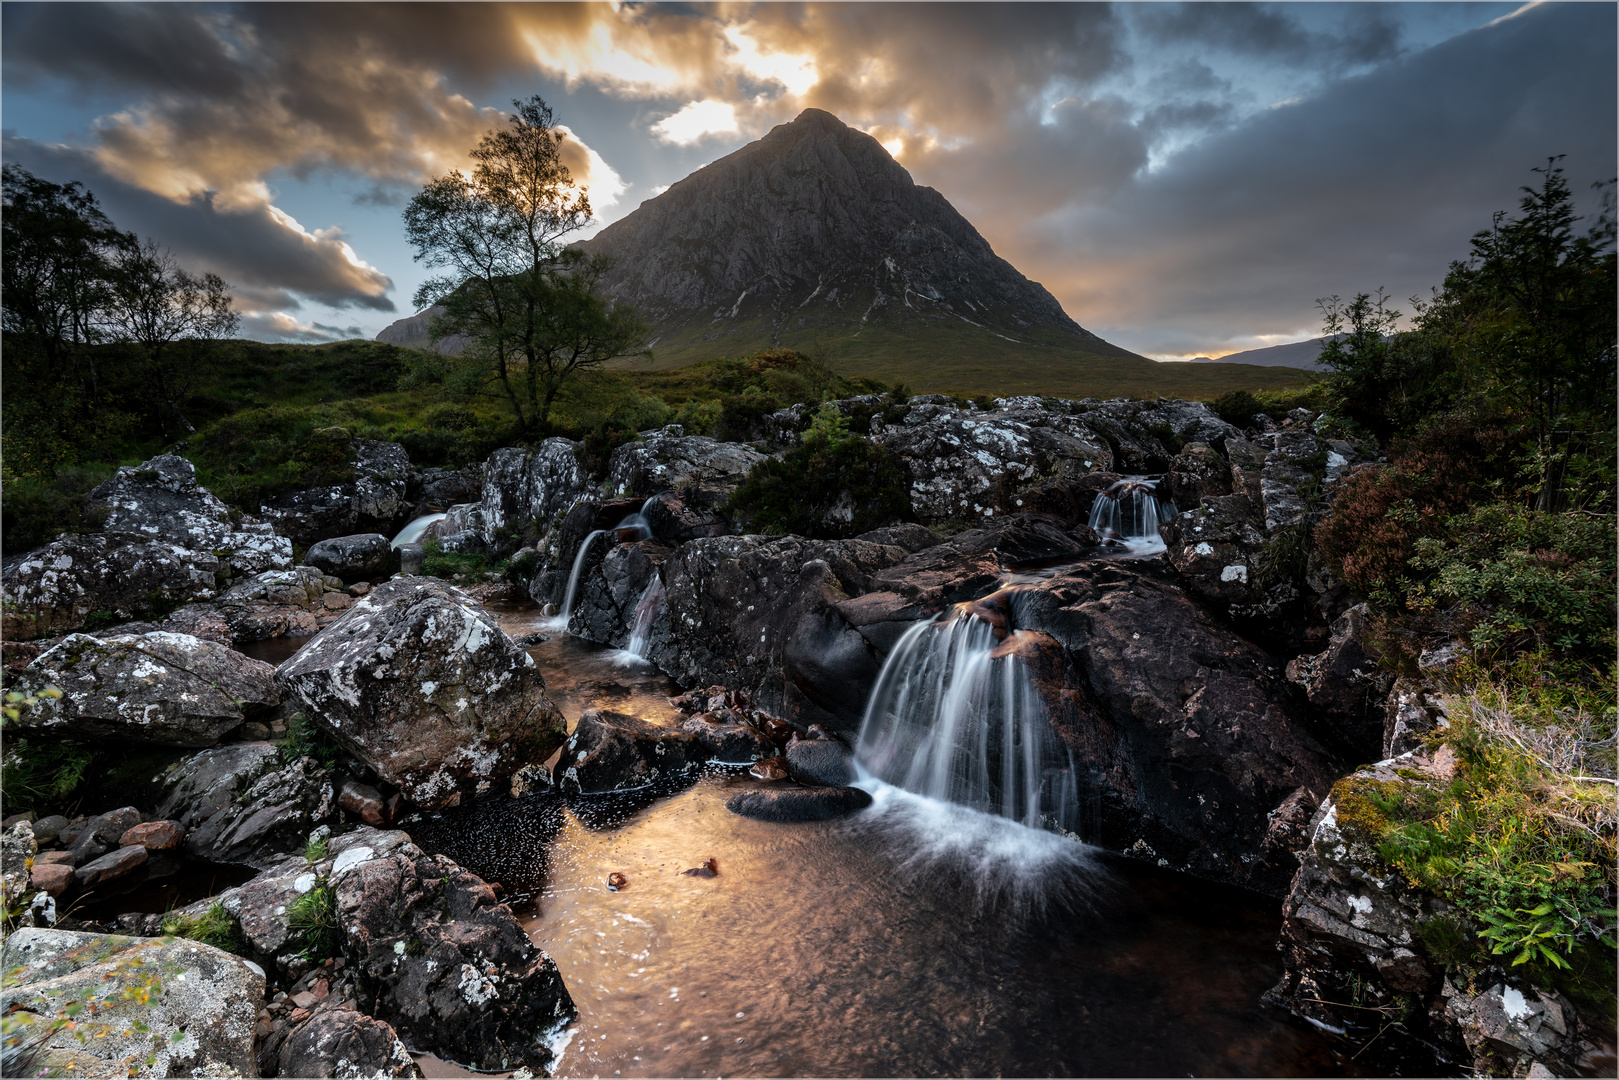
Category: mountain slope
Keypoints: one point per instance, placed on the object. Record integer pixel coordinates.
(1295, 354)
(815, 231)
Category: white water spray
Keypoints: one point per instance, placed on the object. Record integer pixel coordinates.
(1131, 511)
(413, 532)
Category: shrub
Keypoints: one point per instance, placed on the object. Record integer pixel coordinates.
(36, 774)
(831, 485)
(306, 739)
(1237, 408)
(313, 916)
(740, 415)
(215, 926)
(698, 418)
(36, 509)
(597, 447)
(451, 564)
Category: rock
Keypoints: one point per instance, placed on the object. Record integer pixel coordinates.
(14, 819)
(672, 521)
(704, 472)
(1216, 546)
(523, 486)
(709, 868)
(908, 535)
(362, 800)
(353, 558)
(339, 1041)
(968, 465)
(1410, 712)
(159, 688)
(446, 964)
(54, 878)
(373, 501)
(420, 683)
(821, 762)
(98, 835)
(154, 835)
(57, 588)
(617, 881)
(17, 847)
(243, 805)
(799, 804)
(275, 603)
(210, 995)
(47, 829)
(613, 597)
(111, 867)
(441, 489)
(1346, 686)
(563, 545)
(729, 744)
(770, 768)
(55, 858)
(610, 751)
(1197, 473)
(410, 558)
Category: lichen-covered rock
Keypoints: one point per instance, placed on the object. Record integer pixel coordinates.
(610, 751)
(614, 593)
(530, 485)
(167, 689)
(1197, 473)
(1411, 711)
(17, 848)
(209, 998)
(420, 683)
(113, 577)
(339, 1041)
(244, 805)
(275, 603)
(374, 500)
(970, 465)
(444, 962)
(703, 471)
(361, 557)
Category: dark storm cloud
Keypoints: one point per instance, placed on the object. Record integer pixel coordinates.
(263, 254)
(1266, 31)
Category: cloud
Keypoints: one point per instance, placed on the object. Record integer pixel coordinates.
(280, 326)
(269, 257)
(695, 121)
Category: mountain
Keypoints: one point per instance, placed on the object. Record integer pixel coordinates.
(1296, 354)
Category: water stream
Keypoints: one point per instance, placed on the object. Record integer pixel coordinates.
(413, 532)
(1128, 514)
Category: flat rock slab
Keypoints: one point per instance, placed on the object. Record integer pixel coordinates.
(420, 683)
(209, 995)
(111, 867)
(159, 688)
(610, 751)
(799, 804)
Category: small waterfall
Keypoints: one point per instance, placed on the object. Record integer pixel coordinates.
(561, 621)
(955, 718)
(1131, 510)
(413, 532)
(646, 611)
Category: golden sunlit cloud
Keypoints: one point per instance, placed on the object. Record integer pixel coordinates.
(697, 120)
(794, 71)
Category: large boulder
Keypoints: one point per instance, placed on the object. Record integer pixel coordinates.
(610, 751)
(168, 689)
(247, 804)
(420, 683)
(276, 602)
(525, 486)
(361, 557)
(161, 500)
(80, 580)
(704, 472)
(337, 1040)
(200, 1023)
(446, 963)
(969, 465)
(1346, 686)
(373, 501)
(614, 596)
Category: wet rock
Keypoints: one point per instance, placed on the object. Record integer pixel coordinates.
(821, 762)
(446, 964)
(210, 995)
(360, 557)
(165, 689)
(617, 881)
(340, 1041)
(420, 683)
(53, 878)
(770, 768)
(55, 589)
(47, 829)
(710, 868)
(363, 801)
(610, 596)
(111, 867)
(671, 520)
(799, 804)
(704, 472)
(968, 465)
(610, 751)
(1346, 686)
(154, 835)
(160, 500)
(373, 501)
(243, 805)
(728, 743)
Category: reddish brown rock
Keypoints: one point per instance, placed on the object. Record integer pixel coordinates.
(362, 800)
(54, 878)
(774, 768)
(56, 858)
(154, 835)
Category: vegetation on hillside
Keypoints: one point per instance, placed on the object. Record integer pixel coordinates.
(1492, 524)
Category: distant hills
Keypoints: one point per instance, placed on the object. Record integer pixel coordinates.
(1296, 354)
(814, 237)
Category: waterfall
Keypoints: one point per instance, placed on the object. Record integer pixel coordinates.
(1131, 510)
(646, 612)
(413, 532)
(561, 621)
(954, 718)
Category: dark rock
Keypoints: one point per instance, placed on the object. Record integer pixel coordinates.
(47, 829)
(154, 835)
(671, 520)
(373, 501)
(1197, 473)
(111, 867)
(610, 751)
(17, 655)
(799, 804)
(702, 471)
(1346, 686)
(361, 557)
(100, 834)
(617, 881)
(770, 768)
(443, 488)
(1215, 546)
(446, 964)
(821, 762)
(339, 1041)
(65, 858)
(420, 683)
(710, 868)
(908, 535)
(168, 689)
(610, 597)
(731, 744)
(242, 805)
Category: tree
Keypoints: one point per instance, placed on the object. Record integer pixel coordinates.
(529, 310)
(169, 319)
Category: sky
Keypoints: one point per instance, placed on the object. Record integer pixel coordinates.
(1185, 179)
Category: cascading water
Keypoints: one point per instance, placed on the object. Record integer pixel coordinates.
(646, 612)
(413, 532)
(1131, 511)
(955, 718)
(636, 523)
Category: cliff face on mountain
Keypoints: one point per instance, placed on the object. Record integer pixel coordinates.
(816, 227)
